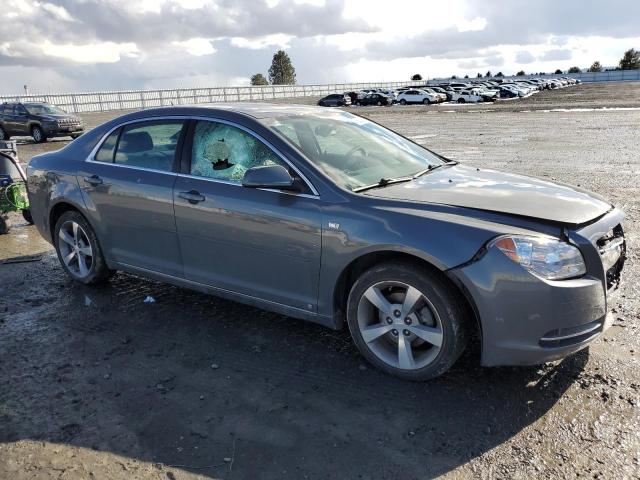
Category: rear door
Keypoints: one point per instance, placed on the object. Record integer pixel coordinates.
(256, 242)
(128, 189)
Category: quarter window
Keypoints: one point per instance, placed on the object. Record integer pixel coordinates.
(108, 148)
(150, 145)
(225, 152)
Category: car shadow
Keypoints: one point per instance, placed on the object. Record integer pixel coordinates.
(165, 375)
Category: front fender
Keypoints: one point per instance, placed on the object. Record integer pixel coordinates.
(443, 239)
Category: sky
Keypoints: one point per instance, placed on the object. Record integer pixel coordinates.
(96, 45)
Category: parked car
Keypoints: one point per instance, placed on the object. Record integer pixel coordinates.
(323, 215)
(335, 100)
(446, 93)
(417, 96)
(38, 120)
(467, 96)
(374, 99)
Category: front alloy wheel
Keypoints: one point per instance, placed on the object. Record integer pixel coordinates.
(38, 134)
(407, 321)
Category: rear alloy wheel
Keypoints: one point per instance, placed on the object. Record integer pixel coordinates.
(426, 101)
(403, 102)
(379, 103)
(38, 134)
(406, 321)
(78, 249)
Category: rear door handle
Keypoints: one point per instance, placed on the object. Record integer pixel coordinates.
(192, 196)
(93, 180)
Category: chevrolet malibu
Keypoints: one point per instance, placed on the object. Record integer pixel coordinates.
(328, 217)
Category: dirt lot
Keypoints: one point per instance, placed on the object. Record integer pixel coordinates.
(96, 383)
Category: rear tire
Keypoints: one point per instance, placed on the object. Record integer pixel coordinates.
(78, 249)
(38, 134)
(419, 343)
(26, 214)
(4, 225)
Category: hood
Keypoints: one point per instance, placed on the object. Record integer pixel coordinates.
(59, 116)
(499, 192)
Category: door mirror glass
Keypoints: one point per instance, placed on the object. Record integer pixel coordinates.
(270, 176)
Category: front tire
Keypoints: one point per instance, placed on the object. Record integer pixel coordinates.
(403, 102)
(4, 135)
(78, 249)
(407, 321)
(38, 134)
(426, 101)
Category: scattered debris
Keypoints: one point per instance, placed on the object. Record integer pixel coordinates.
(149, 299)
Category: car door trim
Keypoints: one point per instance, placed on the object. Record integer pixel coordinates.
(91, 157)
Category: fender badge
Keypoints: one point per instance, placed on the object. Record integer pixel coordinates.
(334, 226)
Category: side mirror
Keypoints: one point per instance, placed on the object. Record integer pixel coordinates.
(269, 176)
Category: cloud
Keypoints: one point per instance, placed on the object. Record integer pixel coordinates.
(96, 44)
(556, 54)
(525, 57)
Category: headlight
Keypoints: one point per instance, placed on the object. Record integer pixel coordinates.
(545, 257)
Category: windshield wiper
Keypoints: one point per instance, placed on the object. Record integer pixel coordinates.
(433, 167)
(383, 182)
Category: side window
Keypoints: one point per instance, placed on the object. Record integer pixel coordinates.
(108, 148)
(149, 145)
(225, 152)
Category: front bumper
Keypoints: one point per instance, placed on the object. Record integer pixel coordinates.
(526, 320)
(62, 130)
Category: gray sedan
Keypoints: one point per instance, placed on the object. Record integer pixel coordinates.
(325, 216)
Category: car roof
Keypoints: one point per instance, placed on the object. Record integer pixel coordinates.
(255, 110)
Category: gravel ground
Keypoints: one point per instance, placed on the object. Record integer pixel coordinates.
(95, 383)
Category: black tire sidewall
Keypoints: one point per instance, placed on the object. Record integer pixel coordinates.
(4, 135)
(99, 270)
(448, 305)
(26, 214)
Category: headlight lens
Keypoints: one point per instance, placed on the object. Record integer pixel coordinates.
(545, 257)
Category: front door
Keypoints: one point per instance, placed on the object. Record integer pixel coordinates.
(260, 243)
(128, 191)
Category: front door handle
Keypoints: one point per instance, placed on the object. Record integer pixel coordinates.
(192, 196)
(94, 180)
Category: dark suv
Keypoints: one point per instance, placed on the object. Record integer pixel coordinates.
(38, 120)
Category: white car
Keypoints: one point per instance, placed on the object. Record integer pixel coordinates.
(440, 96)
(417, 96)
(467, 96)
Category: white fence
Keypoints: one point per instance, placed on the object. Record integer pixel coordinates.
(586, 77)
(101, 101)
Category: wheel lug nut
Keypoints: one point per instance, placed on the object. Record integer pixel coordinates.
(396, 313)
(394, 331)
(389, 320)
(407, 321)
(406, 332)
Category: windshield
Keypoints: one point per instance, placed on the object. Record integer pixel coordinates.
(43, 109)
(352, 151)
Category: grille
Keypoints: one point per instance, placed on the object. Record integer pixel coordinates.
(613, 252)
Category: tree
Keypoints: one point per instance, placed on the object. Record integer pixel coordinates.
(488, 74)
(595, 67)
(282, 71)
(574, 70)
(416, 77)
(630, 60)
(479, 75)
(453, 77)
(258, 79)
(520, 73)
(558, 72)
(499, 74)
(466, 76)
